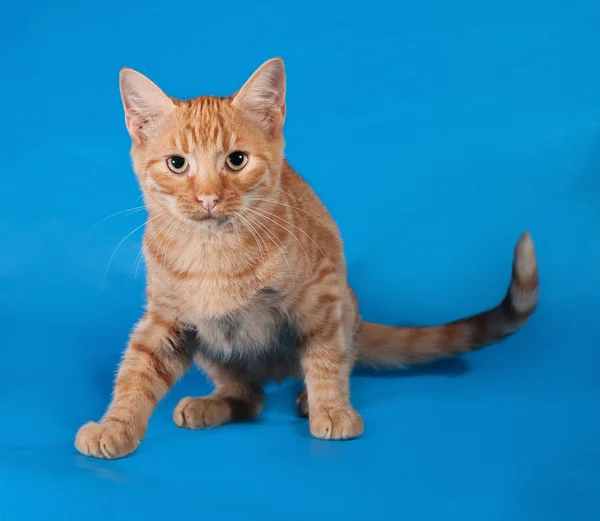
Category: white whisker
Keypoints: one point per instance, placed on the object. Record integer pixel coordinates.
(122, 241)
(129, 212)
(140, 255)
(165, 243)
(300, 229)
(255, 234)
(292, 234)
(271, 234)
(275, 201)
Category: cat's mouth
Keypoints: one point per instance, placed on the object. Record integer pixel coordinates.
(210, 218)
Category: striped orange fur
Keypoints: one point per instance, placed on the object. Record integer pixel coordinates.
(247, 276)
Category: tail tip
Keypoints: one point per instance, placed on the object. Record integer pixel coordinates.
(525, 261)
(525, 243)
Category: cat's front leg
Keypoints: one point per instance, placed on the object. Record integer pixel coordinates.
(154, 359)
(327, 362)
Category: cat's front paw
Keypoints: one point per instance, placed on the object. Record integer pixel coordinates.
(336, 424)
(105, 441)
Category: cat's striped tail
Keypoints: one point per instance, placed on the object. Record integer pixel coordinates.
(385, 346)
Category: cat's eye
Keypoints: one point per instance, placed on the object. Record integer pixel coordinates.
(177, 164)
(236, 161)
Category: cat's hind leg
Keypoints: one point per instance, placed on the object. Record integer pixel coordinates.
(302, 403)
(236, 398)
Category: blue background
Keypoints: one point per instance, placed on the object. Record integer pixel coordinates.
(436, 132)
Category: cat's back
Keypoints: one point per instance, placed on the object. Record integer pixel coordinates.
(309, 211)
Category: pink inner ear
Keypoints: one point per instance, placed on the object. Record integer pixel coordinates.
(145, 104)
(137, 122)
(262, 98)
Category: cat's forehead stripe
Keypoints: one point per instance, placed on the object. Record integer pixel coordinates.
(205, 125)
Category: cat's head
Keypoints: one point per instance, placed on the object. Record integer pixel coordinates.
(203, 160)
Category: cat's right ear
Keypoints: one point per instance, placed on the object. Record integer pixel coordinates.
(144, 103)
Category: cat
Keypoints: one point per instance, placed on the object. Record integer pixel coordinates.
(246, 275)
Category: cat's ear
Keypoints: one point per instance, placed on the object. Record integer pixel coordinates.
(144, 103)
(262, 98)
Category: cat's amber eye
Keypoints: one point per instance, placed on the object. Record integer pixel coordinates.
(236, 161)
(177, 164)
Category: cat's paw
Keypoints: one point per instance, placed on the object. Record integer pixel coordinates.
(336, 424)
(105, 441)
(201, 413)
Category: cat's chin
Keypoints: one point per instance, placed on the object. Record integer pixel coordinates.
(208, 222)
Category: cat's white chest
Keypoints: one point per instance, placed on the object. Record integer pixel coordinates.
(257, 338)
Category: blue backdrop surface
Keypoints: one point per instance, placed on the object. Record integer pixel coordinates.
(436, 132)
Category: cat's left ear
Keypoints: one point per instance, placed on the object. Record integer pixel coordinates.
(262, 98)
(145, 104)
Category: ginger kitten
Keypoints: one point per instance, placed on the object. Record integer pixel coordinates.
(247, 277)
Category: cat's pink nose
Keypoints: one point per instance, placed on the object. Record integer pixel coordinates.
(208, 201)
